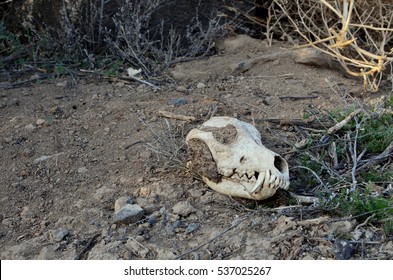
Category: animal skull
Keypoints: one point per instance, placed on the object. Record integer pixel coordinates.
(229, 156)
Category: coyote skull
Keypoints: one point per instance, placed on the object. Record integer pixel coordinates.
(229, 156)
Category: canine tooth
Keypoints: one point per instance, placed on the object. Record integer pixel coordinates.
(267, 179)
(259, 182)
(250, 174)
(253, 179)
(244, 178)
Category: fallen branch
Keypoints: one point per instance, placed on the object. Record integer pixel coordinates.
(341, 124)
(171, 115)
(388, 152)
(121, 78)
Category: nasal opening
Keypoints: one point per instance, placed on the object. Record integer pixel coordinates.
(280, 163)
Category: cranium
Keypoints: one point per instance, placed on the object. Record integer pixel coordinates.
(229, 156)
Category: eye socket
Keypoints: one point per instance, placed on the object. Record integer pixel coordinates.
(279, 163)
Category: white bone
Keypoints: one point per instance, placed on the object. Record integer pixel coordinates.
(239, 159)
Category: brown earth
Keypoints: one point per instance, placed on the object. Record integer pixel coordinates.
(68, 152)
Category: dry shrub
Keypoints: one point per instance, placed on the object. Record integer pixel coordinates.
(356, 33)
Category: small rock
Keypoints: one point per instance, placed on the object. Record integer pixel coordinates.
(30, 127)
(144, 191)
(28, 152)
(82, 169)
(27, 214)
(176, 224)
(195, 193)
(104, 194)
(120, 202)
(343, 250)
(129, 213)
(171, 229)
(40, 122)
(192, 227)
(7, 222)
(152, 220)
(200, 85)
(183, 208)
(139, 238)
(177, 102)
(308, 257)
(182, 89)
(58, 234)
(137, 248)
(61, 84)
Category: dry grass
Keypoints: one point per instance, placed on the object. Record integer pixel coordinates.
(357, 34)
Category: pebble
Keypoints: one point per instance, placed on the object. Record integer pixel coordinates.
(152, 220)
(28, 152)
(58, 234)
(61, 84)
(40, 122)
(171, 228)
(27, 214)
(183, 208)
(30, 127)
(200, 85)
(121, 201)
(192, 227)
(129, 213)
(104, 194)
(182, 89)
(82, 169)
(145, 191)
(176, 224)
(343, 250)
(177, 102)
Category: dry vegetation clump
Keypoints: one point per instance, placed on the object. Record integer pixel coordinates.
(357, 34)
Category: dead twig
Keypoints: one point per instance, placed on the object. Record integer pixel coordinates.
(341, 124)
(171, 115)
(216, 237)
(388, 152)
(121, 78)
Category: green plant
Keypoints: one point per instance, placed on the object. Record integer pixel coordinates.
(9, 42)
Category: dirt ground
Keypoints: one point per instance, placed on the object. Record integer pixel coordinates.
(69, 151)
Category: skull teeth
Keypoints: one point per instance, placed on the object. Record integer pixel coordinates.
(261, 179)
(226, 172)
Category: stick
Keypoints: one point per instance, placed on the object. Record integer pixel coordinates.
(124, 78)
(341, 124)
(13, 85)
(88, 247)
(43, 158)
(388, 152)
(214, 238)
(140, 81)
(171, 115)
(293, 98)
(245, 65)
(271, 76)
